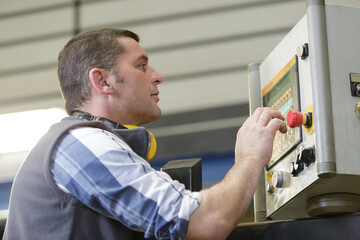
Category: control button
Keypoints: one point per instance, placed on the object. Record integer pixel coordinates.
(357, 107)
(355, 89)
(296, 119)
(269, 188)
(307, 156)
(302, 51)
(280, 179)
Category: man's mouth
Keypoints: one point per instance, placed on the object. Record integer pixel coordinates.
(156, 94)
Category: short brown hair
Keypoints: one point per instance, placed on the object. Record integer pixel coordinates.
(97, 48)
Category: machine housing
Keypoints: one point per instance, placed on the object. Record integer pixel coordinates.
(315, 69)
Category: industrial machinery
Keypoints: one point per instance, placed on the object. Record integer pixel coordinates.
(313, 78)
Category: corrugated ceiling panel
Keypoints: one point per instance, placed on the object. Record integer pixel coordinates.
(216, 56)
(30, 55)
(127, 11)
(15, 6)
(202, 26)
(27, 85)
(217, 26)
(203, 92)
(39, 24)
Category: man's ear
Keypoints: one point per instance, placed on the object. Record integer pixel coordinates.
(98, 78)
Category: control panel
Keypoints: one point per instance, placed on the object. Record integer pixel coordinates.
(282, 94)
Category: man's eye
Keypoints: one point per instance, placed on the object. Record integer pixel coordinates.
(143, 67)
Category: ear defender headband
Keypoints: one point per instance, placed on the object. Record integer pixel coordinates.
(141, 141)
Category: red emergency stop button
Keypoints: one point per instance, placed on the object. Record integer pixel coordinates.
(295, 119)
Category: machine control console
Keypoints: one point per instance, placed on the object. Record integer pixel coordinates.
(282, 94)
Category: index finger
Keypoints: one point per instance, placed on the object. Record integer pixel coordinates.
(268, 114)
(277, 124)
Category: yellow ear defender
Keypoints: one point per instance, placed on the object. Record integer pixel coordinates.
(152, 147)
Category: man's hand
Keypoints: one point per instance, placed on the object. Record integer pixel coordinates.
(255, 138)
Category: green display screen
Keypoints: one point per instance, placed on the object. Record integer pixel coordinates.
(283, 84)
(278, 88)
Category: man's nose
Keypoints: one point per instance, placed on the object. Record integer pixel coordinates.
(156, 77)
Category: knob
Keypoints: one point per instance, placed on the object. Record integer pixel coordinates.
(355, 89)
(357, 107)
(296, 119)
(302, 51)
(280, 179)
(307, 156)
(296, 168)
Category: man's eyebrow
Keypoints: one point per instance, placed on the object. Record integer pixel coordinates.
(142, 58)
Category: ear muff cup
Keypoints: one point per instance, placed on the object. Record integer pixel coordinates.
(153, 145)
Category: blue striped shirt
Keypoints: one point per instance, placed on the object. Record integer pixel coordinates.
(102, 171)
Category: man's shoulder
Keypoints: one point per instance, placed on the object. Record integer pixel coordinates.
(94, 138)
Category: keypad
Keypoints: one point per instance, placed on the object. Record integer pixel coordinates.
(283, 142)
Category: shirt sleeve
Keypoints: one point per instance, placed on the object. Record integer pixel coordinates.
(102, 171)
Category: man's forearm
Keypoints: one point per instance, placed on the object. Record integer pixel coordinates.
(224, 204)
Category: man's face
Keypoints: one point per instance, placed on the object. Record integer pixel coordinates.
(136, 85)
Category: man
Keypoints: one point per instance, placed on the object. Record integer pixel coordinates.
(84, 181)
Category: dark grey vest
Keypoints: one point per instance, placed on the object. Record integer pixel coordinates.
(40, 210)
